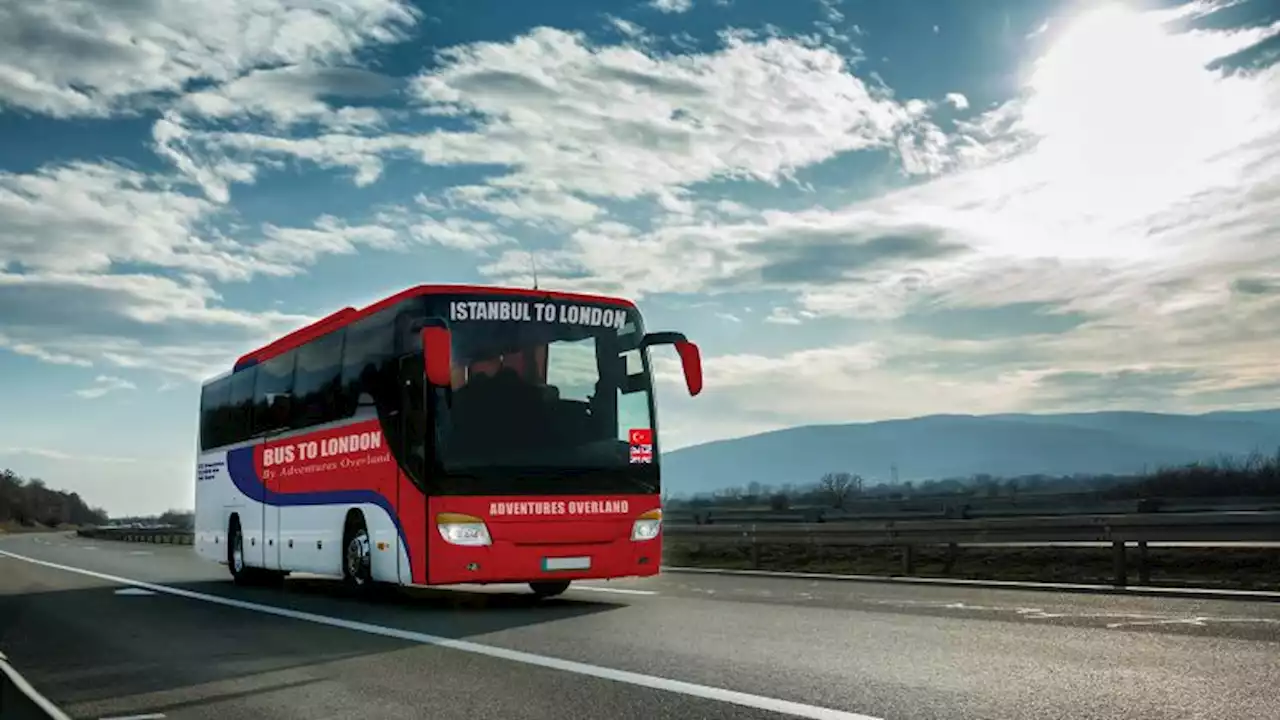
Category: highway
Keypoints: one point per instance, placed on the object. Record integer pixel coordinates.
(108, 629)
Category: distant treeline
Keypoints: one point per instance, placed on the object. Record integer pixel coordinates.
(27, 502)
(1255, 475)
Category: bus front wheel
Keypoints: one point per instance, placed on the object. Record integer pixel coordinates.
(549, 589)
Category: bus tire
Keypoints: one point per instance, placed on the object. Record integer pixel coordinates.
(357, 553)
(549, 588)
(241, 574)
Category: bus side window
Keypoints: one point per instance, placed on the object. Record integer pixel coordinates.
(317, 384)
(271, 394)
(370, 346)
(240, 406)
(213, 409)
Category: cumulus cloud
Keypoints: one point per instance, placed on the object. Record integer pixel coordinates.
(958, 100)
(129, 321)
(289, 95)
(76, 58)
(86, 217)
(672, 6)
(578, 120)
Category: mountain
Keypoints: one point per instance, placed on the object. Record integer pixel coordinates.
(943, 446)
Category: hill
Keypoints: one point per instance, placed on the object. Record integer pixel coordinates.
(950, 446)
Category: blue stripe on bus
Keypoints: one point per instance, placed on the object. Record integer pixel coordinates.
(244, 473)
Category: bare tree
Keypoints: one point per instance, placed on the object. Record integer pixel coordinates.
(837, 486)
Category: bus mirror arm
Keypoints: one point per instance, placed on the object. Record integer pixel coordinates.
(690, 356)
(437, 354)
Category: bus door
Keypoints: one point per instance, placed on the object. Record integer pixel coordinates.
(277, 408)
(411, 445)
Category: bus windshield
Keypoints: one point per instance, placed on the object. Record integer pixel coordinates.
(548, 387)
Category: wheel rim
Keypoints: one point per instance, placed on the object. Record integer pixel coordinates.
(358, 557)
(237, 554)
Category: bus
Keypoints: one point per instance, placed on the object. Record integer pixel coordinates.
(448, 434)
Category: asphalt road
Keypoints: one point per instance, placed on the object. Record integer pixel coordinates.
(182, 642)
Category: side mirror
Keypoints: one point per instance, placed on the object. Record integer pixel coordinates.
(691, 362)
(690, 356)
(437, 355)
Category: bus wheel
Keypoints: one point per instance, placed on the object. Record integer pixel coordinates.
(357, 556)
(240, 573)
(549, 589)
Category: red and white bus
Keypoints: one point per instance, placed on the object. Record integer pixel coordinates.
(447, 434)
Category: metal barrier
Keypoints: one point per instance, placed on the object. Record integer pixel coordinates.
(163, 536)
(20, 701)
(908, 535)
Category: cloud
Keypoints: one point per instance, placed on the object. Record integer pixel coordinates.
(1014, 320)
(103, 385)
(296, 248)
(552, 114)
(958, 100)
(84, 217)
(73, 58)
(294, 94)
(672, 6)
(46, 454)
(1117, 388)
(129, 321)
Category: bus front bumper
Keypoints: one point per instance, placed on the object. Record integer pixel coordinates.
(506, 561)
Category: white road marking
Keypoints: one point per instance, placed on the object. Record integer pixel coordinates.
(142, 552)
(620, 591)
(133, 591)
(149, 716)
(759, 702)
(51, 711)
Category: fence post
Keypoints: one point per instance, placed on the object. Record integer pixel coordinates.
(755, 549)
(1117, 559)
(952, 551)
(1144, 569)
(908, 559)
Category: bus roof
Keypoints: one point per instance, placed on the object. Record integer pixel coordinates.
(348, 315)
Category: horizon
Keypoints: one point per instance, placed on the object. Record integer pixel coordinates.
(861, 213)
(873, 481)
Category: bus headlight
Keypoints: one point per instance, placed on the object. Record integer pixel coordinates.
(459, 529)
(647, 526)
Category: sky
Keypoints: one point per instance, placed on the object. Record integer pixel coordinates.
(860, 209)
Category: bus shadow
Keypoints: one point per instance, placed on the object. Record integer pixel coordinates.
(99, 651)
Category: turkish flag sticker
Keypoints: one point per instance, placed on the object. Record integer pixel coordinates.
(641, 436)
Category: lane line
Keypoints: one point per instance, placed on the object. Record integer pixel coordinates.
(149, 716)
(681, 687)
(15, 678)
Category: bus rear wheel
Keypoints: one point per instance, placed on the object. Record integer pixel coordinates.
(357, 555)
(549, 588)
(240, 573)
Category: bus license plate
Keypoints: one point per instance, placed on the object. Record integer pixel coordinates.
(566, 563)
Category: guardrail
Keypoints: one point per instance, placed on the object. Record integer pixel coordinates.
(20, 701)
(947, 508)
(908, 535)
(163, 536)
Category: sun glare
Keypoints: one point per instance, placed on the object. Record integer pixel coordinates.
(1128, 120)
